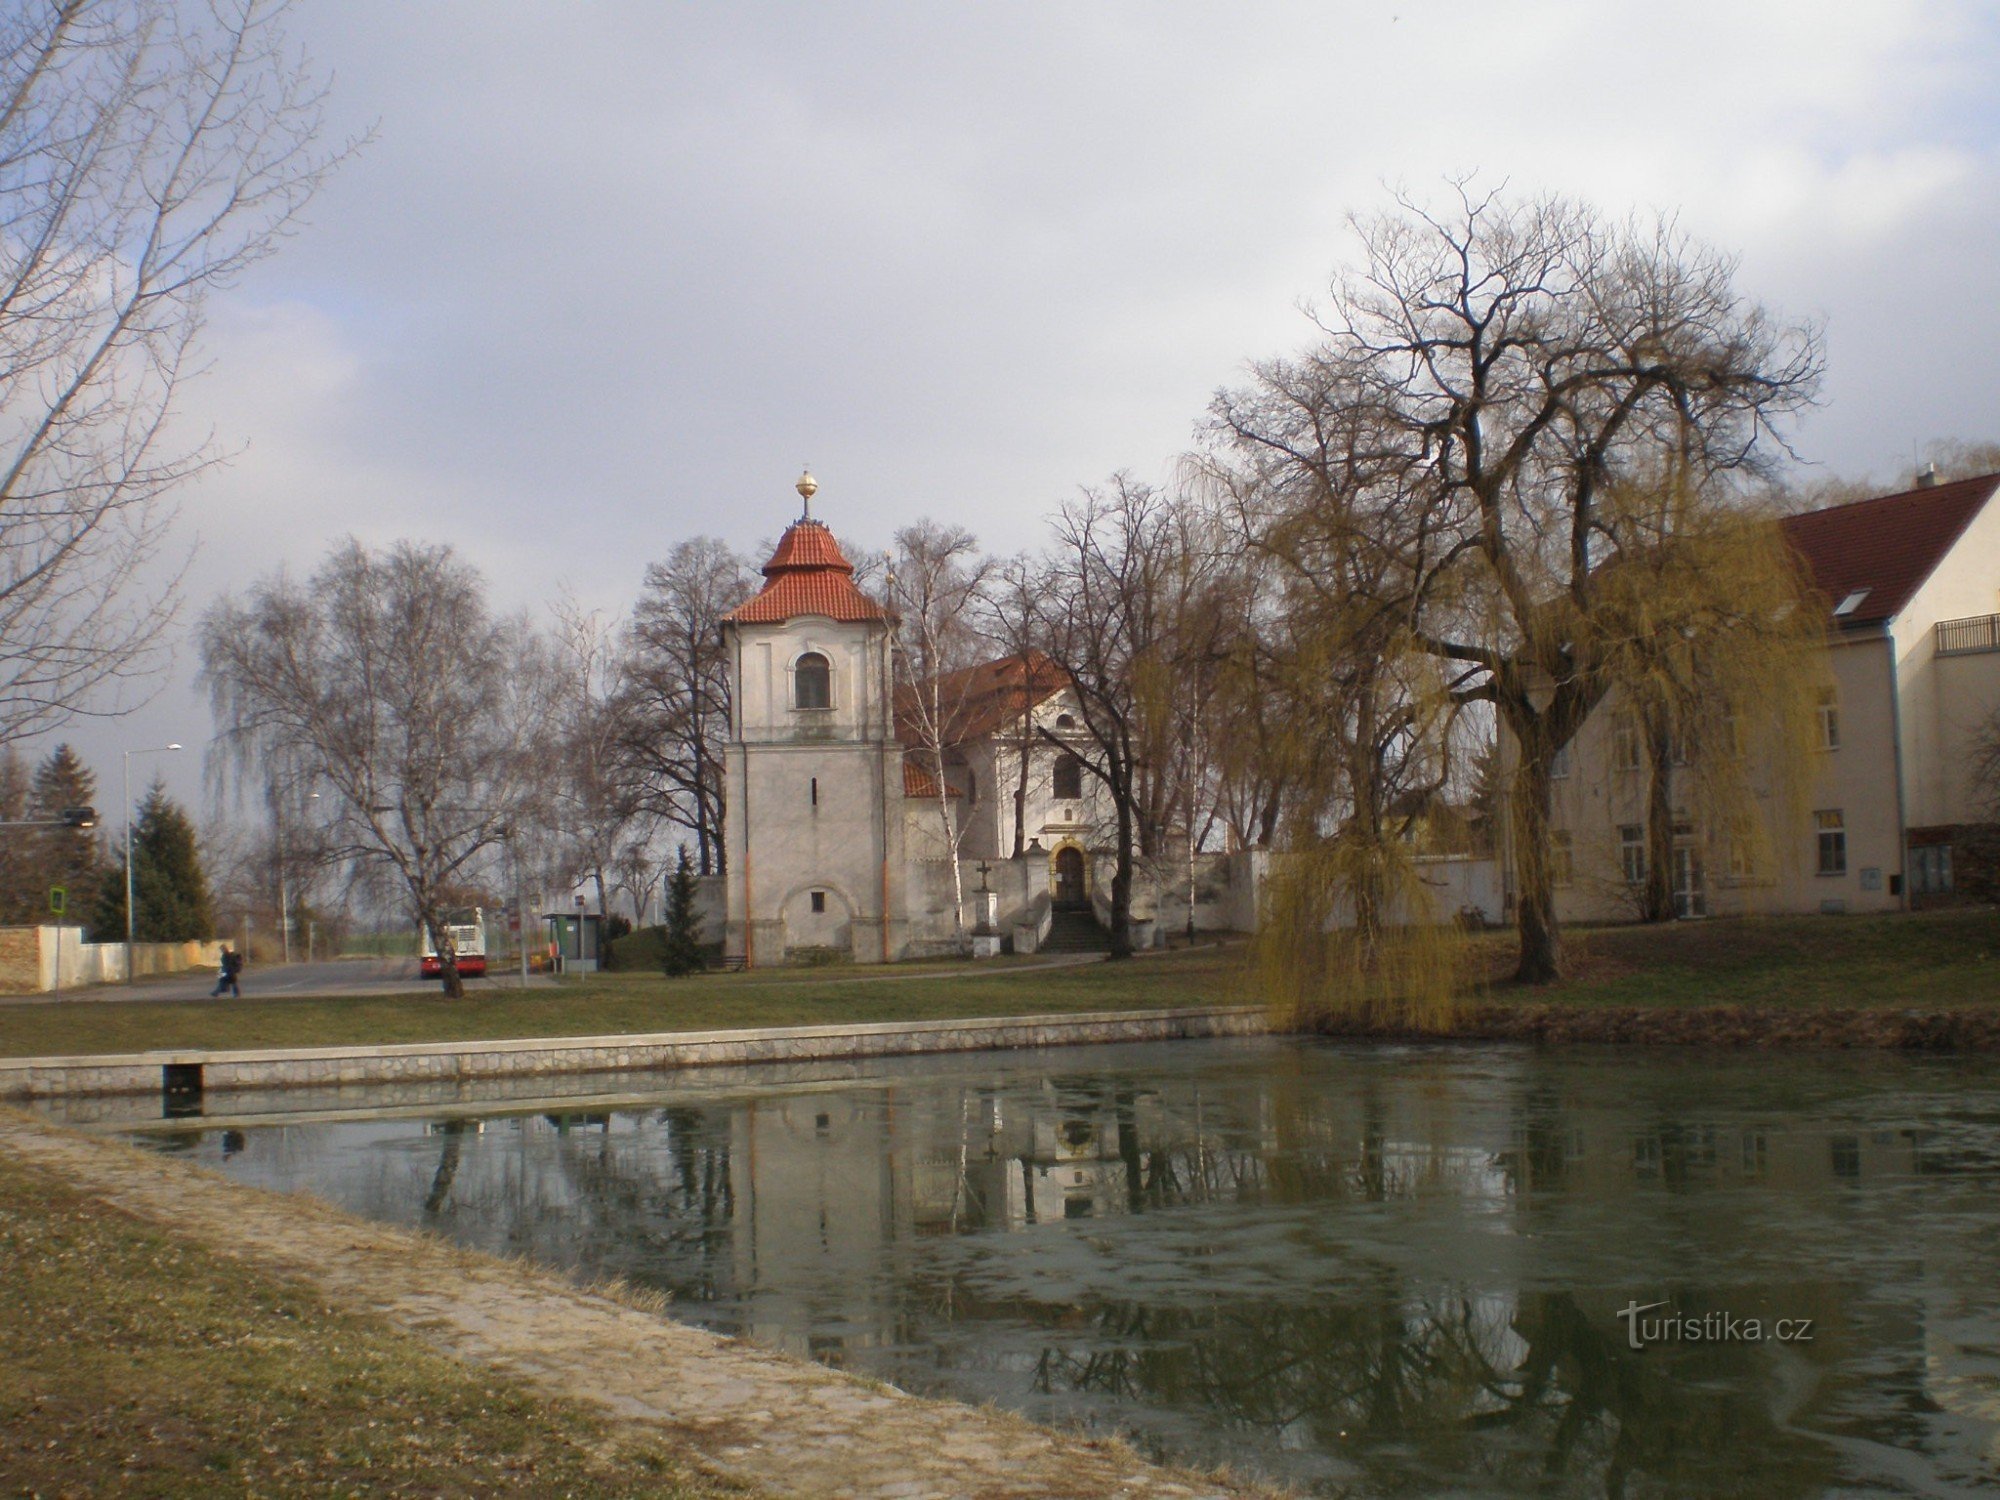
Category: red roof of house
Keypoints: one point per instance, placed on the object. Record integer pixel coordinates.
(975, 701)
(807, 575)
(917, 782)
(1884, 548)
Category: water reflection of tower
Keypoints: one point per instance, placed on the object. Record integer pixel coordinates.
(817, 1215)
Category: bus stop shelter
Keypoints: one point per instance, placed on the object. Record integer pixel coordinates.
(575, 940)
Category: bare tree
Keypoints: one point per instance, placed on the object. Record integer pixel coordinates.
(148, 154)
(676, 689)
(598, 805)
(1522, 357)
(385, 680)
(1126, 610)
(1007, 618)
(934, 586)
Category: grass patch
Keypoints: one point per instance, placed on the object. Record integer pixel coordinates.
(626, 1004)
(1936, 960)
(134, 1363)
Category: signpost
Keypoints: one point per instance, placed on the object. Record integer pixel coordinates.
(58, 899)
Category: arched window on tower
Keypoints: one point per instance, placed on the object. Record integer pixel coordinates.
(1067, 781)
(812, 682)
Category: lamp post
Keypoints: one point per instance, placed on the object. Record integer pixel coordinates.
(284, 890)
(130, 923)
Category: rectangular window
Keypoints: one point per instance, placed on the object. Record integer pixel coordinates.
(1930, 870)
(1742, 849)
(1625, 744)
(1067, 781)
(1832, 830)
(1632, 852)
(1559, 764)
(1562, 857)
(1829, 720)
(819, 900)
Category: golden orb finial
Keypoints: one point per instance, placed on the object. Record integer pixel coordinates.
(807, 488)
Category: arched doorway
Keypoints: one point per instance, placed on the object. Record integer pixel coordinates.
(1069, 889)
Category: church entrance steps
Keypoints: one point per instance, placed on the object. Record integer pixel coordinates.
(1074, 930)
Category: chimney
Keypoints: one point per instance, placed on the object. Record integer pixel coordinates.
(1927, 477)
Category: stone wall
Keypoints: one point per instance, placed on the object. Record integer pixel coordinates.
(1016, 884)
(29, 959)
(227, 1075)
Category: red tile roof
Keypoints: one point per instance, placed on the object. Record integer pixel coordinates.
(807, 575)
(917, 782)
(978, 700)
(1886, 546)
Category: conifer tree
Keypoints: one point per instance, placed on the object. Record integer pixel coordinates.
(680, 953)
(66, 857)
(170, 889)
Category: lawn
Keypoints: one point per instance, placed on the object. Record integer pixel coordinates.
(1931, 960)
(134, 1363)
(621, 1004)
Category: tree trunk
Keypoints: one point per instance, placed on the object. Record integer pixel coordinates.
(1535, 906)
(1121, 880)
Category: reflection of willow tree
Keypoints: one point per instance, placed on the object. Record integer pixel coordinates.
(1428, 1392)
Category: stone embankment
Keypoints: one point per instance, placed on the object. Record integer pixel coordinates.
(783, 1426)
(213, 1071)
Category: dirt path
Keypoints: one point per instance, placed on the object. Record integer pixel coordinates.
(784, 1425)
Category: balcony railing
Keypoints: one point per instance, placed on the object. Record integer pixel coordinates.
(1963, 637)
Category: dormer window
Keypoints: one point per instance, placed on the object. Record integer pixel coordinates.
(1850, 604)
(812, 682)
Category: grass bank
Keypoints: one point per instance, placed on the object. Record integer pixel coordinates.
(628, 1004)
(1926, 980)
(1682, 981)
(133, 1362)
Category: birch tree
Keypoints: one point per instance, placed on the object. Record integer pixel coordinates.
(385, 680)
(934, 584)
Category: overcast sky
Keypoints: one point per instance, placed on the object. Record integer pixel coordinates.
(610, 273)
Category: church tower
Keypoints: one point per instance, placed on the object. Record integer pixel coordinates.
(814, 771)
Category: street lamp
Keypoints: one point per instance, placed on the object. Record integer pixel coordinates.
(130, 925)
(284, 897)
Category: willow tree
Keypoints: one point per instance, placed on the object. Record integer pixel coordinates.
(1522, 358)
(1716, 676)
(1315, 486)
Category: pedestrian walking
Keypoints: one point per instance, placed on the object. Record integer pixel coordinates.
(232, 965)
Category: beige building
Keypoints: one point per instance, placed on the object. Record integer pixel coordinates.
(1912, 583)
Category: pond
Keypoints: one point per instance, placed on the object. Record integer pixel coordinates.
(1366, 1271)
